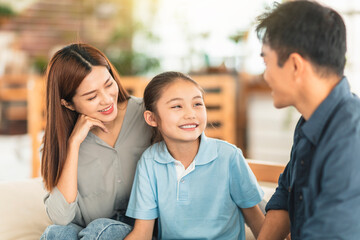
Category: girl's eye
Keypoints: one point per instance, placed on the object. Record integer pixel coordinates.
(92, 98)
(177, 106)
(109, 85)
(198, 104)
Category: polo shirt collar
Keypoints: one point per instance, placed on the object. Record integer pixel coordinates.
(313, 128)
(207, 152)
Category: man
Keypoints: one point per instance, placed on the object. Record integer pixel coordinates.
(318, 196)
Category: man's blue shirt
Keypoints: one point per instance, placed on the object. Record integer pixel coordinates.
(320, 185)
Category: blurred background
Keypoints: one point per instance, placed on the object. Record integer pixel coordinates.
(144, 38)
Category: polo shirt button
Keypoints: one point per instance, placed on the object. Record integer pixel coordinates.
(119, 180)
(302, 162)
(301, 197)
(182, 180)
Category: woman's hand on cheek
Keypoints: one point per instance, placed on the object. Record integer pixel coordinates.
(82, 127)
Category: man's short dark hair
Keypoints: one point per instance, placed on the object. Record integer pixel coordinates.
(316, 32)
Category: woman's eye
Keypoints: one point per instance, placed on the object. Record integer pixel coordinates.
(177, 106)
(92, 98)
(198, 104)
(109, 85)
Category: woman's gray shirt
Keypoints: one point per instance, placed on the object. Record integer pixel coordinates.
(105, 173)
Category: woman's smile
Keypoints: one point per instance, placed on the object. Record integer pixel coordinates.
(107, 110)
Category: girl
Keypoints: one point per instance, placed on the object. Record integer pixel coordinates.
(94, 136)
(197, 187)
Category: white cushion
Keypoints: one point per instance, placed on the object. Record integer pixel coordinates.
(22, 211)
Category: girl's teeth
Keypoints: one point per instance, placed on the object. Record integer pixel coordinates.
(188, 126)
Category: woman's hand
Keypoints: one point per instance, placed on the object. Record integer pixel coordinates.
(82, 127)
(67, 184)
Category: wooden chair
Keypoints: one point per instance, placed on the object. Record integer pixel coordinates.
(36, 118)
(266, 171)
(219, 100)
(220, 91)
(13, 96)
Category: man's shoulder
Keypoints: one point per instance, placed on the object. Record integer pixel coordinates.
(342, 132)
(347, 113)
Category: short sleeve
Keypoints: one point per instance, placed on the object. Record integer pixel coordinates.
(280, 199)
(143, 203)
(244, 188)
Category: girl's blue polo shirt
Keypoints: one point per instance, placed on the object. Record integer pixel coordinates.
(202, 205)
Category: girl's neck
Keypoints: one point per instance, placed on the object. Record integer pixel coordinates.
(184, 152)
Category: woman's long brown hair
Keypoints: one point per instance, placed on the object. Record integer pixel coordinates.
(66, 70)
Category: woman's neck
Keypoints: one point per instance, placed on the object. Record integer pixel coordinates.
(114, 124)
(114, 127)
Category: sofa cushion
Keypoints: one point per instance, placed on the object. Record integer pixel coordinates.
(23, 215)
(22, 211)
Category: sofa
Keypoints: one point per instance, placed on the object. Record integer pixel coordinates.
(22, 212)
(23, 215)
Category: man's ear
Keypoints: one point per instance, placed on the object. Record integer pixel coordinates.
(298, 64)
(150, 118)
(68, 105)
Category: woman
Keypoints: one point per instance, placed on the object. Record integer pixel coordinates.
(94, 136)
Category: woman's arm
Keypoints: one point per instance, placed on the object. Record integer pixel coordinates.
(67, 183)
(254, 219)
(143, 230)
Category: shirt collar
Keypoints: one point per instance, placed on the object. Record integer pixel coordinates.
(207, 152)
(313, 128)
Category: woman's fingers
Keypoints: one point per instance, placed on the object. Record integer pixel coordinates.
(96, 123)
(82, 127)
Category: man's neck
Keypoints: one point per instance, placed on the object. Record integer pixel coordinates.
(315, 91)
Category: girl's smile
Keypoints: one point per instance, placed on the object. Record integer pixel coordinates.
(181, 113)
(189, 127)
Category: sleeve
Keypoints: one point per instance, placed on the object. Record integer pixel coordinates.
(280, 199)
(336, 208)
(59, 210)
(244, 188)
(143, 203)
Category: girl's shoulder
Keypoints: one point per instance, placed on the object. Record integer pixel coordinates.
(153, 151)
(153, 156)
(222, 145)
(218, 149)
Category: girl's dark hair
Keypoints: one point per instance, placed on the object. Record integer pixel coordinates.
(66, 70)
(154, 90)
(315, 32)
